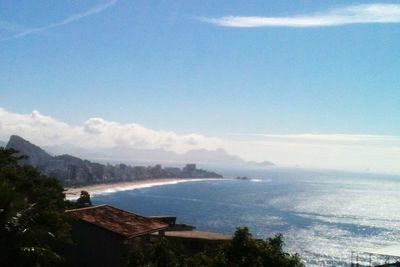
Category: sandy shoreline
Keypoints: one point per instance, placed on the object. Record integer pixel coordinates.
(72, 193)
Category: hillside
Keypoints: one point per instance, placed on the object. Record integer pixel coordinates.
(37, 157)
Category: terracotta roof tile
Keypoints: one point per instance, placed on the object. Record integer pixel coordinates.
(121, 222)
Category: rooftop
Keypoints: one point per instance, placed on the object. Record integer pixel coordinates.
(124, 223)
(198, 235)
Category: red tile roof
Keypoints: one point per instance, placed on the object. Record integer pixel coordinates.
(124, 223)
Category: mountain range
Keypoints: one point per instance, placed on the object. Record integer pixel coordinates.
(217, 157)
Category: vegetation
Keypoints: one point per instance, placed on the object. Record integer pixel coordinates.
(84, 200)
(33, 225)
(242, 251)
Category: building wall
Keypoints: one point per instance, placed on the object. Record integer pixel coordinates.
(95, 246)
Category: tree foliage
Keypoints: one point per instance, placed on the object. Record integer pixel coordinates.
(245, 251)
(84, 200)
(32, 219)
(242, 251)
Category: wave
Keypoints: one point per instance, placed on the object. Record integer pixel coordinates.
(102, 189)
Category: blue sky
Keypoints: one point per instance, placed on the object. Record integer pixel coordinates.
(213, 68)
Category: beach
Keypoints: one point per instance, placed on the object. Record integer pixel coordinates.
(72, 193)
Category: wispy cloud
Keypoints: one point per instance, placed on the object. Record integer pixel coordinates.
(73, 18)
(354, 14)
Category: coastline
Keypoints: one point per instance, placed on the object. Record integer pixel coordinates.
(72, 193)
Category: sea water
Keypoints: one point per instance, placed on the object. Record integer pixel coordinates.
(323, 215)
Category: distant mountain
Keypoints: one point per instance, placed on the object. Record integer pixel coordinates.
(118, 153)
(2, 144)
(133, 155)
(75, 171)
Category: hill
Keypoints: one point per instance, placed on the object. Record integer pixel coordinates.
(37, 157)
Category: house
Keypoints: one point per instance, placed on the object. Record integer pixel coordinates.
(103, 235)
(172, 225)
(187, 236)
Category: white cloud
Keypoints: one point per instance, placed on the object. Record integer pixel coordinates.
(354, 14)
(97, 133)
(73, 18)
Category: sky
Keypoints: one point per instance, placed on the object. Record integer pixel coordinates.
(300, 83)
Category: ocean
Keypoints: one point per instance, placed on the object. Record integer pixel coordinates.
(323, 215)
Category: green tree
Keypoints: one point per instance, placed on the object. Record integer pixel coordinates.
(137, 257)
(164, 255)
(84, 200)
(246, 251)
(33, 224)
